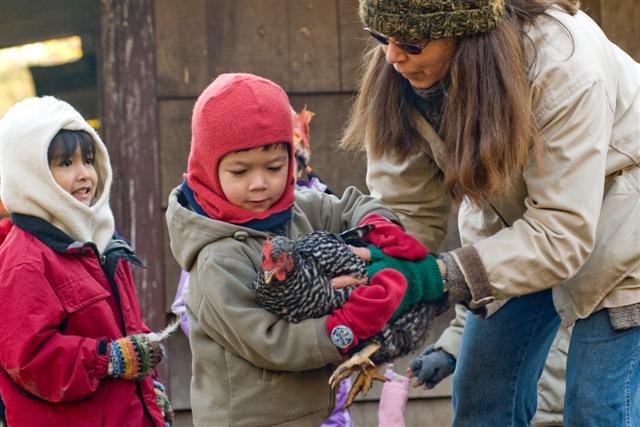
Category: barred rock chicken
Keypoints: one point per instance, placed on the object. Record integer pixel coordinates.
(295, 285)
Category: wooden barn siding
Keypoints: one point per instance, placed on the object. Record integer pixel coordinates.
(311, 48)
(130, 125)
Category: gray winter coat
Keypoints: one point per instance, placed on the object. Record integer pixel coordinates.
(251, 368)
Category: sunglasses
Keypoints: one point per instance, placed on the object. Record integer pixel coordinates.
(410, 48)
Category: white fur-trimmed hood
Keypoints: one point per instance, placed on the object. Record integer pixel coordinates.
(26, 183)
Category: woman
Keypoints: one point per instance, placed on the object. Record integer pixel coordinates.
(524, 113)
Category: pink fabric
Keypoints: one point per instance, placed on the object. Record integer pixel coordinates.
(236, 112)
(393, 400)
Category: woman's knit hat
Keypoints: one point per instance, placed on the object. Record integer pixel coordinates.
(236, 112)
(431, 19)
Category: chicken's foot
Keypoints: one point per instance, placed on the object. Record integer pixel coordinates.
(363, 383)
(360, 360)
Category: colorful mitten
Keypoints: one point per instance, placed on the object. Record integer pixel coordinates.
(367, 310)
(392, 239)
(163, 402)
(133, 357)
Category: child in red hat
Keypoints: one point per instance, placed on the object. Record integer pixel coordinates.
(251, 367)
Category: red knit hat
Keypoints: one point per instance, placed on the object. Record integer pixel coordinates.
(236, 112)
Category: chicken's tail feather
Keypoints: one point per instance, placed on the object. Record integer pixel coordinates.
(166, 332)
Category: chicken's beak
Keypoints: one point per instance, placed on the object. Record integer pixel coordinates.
(268, 274)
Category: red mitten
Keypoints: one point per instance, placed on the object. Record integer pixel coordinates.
(367, 310)
(392, 239)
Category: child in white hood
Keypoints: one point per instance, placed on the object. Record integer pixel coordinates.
(73, 347)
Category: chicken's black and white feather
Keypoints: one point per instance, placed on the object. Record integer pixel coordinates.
(306, 292)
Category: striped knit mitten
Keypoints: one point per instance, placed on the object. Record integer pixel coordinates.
(133, 357)
(163, 402)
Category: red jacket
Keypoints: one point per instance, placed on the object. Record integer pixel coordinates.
(60, 304)
(5, 227)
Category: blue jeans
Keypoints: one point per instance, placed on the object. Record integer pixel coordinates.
(502, 357)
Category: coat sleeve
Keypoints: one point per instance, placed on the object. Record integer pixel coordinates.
(226, 310)
(451, 338)
(330, 213)
(556, 233)
(33, 351)
(413, 189)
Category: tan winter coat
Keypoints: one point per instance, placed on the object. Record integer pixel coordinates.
(251, 368)
(573, 224)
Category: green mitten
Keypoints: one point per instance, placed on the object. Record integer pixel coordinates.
(424, 281)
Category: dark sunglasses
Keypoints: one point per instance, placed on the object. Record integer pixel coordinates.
(410, 48)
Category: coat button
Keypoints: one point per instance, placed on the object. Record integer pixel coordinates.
(240, 235)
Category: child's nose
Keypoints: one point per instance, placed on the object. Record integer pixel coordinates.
(84, 170)
(258, 182)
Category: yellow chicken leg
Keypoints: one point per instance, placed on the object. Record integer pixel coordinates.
(359, 360)
(363, 383)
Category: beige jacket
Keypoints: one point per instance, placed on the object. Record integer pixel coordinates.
(573, 224)
(249, 367)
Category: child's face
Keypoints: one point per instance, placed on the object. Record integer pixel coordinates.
(254, 179)
(76, 175)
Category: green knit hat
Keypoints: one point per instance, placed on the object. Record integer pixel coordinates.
(431, 19)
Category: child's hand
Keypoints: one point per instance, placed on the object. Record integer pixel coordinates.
(367, 310)
(133, 357)
(362, 252)
(347, 280)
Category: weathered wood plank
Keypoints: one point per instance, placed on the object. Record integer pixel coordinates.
(352, 44)
(593, 9)
(28, 21)
(621, 22)
(337, 168)
(175, 140)
(250, 36)
(181, 47)
(418, 413)
(171, 273)
(129, 126)
(315, 59)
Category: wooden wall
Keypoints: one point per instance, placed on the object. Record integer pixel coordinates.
(310, 48)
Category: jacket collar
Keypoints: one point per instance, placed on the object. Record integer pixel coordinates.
(48, 234)
(62, 243)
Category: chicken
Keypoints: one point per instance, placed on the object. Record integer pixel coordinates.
(296, 285)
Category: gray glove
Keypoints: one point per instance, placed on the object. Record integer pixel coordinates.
(432, 366)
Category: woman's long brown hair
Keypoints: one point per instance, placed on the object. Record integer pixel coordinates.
(487, 121)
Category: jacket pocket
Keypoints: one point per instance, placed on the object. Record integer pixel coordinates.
(79, 293)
